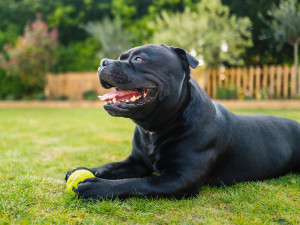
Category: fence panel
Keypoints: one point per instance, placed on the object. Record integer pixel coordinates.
(267, 82)
(72, 85)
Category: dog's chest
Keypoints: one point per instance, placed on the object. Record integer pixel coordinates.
(152, 152)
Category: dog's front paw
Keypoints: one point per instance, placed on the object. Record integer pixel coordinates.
(71, 171)
(93, 187)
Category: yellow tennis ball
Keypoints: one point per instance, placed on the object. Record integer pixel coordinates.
(76, 177)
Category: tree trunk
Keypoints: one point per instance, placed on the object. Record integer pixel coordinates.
(296, 68)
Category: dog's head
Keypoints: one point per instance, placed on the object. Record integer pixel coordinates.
(147, 79)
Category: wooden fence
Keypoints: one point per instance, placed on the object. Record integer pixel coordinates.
(268, 82)
(72, 85)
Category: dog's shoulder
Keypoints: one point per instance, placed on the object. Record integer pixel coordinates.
(201, 107)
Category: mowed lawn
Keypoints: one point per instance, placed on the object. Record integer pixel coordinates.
(37, 147)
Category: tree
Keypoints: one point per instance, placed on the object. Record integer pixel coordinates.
(33, 54)
(286, 29)
(209, 33)
(264, 51)
(65, 15)
(114, 39)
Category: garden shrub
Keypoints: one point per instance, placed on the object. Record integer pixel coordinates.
(77, 56)
(62, 98)
(229, 92)
(90, 95)
(27, 63)
(14, 88)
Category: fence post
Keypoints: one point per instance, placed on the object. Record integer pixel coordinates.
(286, 71)
(293, 80)
(208, 85)
(232, 76)
(47, 88)
(220, 81)
(238, 77)
(251, 81)
(245, 81)
(257, 83)
(272, 74)
(214, 84)
(278, 81)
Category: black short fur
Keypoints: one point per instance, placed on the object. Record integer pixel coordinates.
(183, 136)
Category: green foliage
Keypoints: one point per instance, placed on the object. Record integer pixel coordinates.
(9, 35)
(62, 98)
(65, 15)
(158, 6)
(135, 15)
(13, 16)
(264, 48)
(124, 9)
(33, 54)
(285, 27)
(13, 87)
(210, 32)
(78, 56)
(285, 24)
(38, 147)
(90, 95)
(229, 92)
(113, 38)
(40, 96)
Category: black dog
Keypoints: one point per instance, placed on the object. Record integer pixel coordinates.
(180, 134)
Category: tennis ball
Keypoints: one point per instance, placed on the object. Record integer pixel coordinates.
(76, 177)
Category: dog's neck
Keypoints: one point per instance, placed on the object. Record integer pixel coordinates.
(192, 93)
(164, 116)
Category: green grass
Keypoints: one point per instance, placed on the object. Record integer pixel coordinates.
(37, 147)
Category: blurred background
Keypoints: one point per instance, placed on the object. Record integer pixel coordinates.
(52, 49)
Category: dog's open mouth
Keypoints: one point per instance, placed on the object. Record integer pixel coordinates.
(129, 98)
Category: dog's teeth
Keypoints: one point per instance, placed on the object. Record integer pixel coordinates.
(114, 100)
(127, 100)
(138, 97)
(144, 95)
(133, 98)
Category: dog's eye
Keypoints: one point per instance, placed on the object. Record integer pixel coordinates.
(139, 59)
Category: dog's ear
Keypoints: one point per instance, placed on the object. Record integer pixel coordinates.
(186, 57)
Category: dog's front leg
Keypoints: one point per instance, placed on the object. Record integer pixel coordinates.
(180, 178)
(162, 186)
(129, 168)
(132, 167)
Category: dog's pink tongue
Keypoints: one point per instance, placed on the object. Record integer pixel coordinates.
(119, 94)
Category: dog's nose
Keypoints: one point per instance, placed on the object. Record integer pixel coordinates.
(105, 62)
